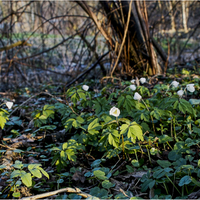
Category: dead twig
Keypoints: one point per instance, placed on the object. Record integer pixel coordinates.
(29, 152)
(123, 41)
(70, 190)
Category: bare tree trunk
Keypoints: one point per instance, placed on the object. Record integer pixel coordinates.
(171, 13)
(184, 14)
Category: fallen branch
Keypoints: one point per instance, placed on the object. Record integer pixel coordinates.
(70, 190)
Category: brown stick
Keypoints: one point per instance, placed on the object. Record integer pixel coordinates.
(47, 194)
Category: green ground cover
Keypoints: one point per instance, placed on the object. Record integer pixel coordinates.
(122, 140)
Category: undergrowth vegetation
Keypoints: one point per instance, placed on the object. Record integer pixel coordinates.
(125, 140)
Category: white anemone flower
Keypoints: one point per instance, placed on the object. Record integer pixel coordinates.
(132, 87)
(180, 93)
(143, 80)
(137, 96)
(9, 104)
(133, 81)
(175, 83)
(114, 112)
(190, 87)
(85, 87)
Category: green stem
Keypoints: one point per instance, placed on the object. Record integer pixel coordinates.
(183, 191)
(166, 188)
(151, 117)
(122, 139)
(174, 128)
(169, 145)
(173, 184)
(136, 154)
(148, 153)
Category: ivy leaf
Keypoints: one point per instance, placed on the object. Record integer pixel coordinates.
(146, 184)
(107, 184)
(100, 175)
(185, 180)
(164, 163)
(135, 163)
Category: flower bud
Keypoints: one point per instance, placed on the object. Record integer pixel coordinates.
(132, 87)
(175, 83)
(143, 80)
(9, 104)
(190, 87)
(180, 93)
(137, 96)
(85, 87)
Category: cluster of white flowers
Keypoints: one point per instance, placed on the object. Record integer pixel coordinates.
(142, 80)
(189, 87)
(85, 87)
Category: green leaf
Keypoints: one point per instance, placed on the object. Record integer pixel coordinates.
(36, 173)
(113, 138)
(194, 101)
(16, 194)
(44, 172)
(81, 94)
(146, 184)
(130, 169)
(96, 163)
(195, 181)
(185, 180)
(94, 127)
(2, 121)
(164, 163)
(165, 138)
(100, 175)
(107, 184)
(18, 164)
(135, 163)
(159, 173)
(174, 155)
(48, 110)
(15, 173)
(32, 166)
(134, 132)
(71, 154)
(151, 184)
(26, 179)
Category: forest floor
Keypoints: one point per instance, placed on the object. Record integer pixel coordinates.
(117, 139)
